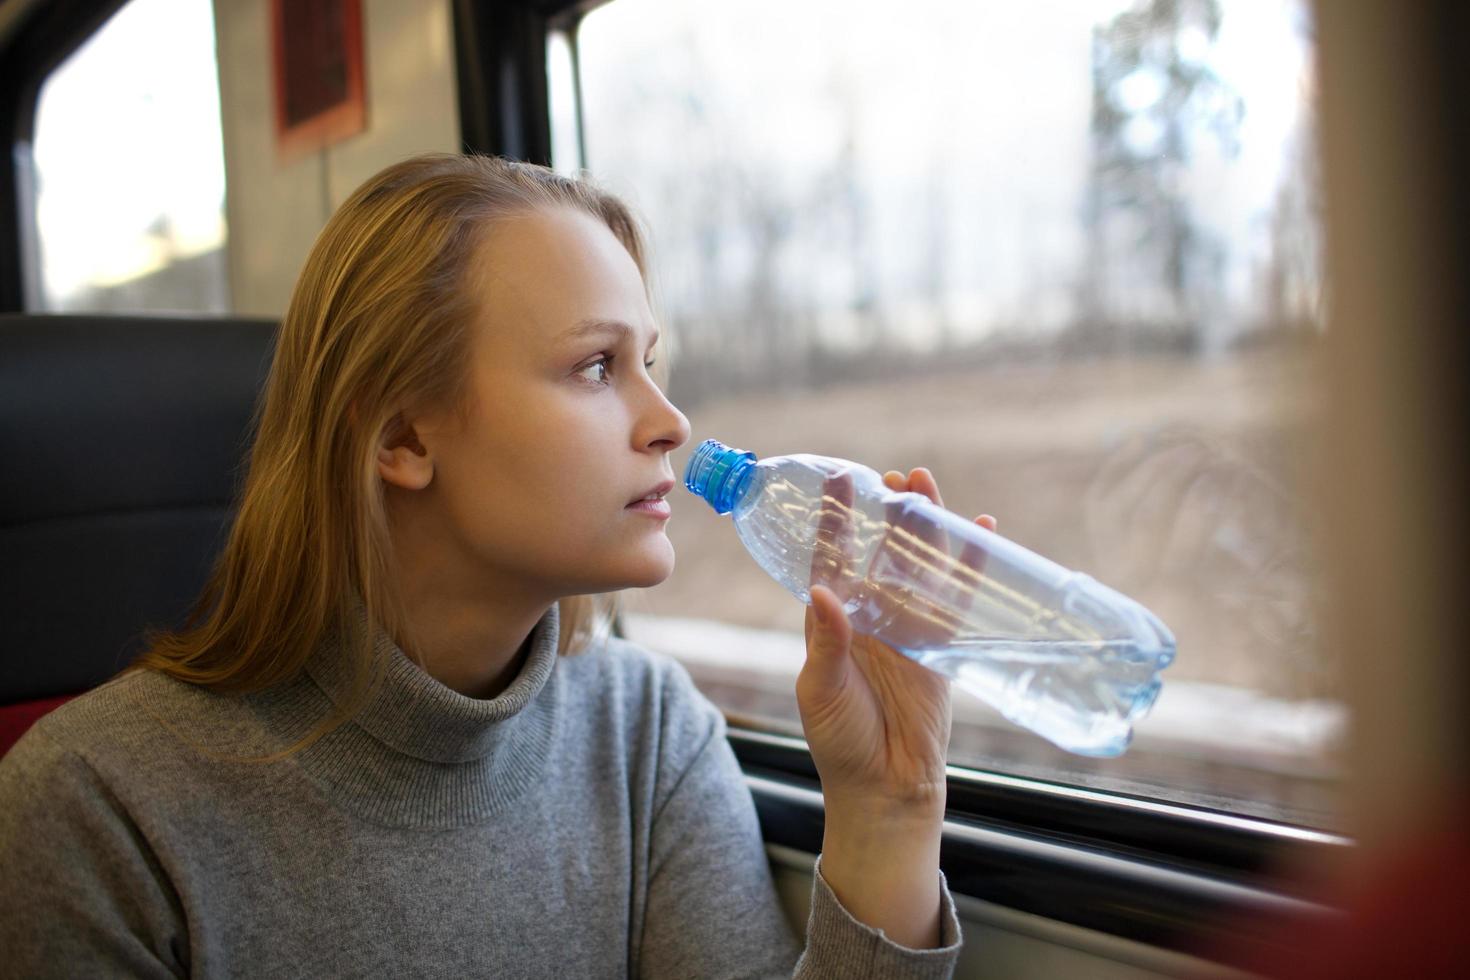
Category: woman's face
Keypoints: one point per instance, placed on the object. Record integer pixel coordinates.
(566, 429)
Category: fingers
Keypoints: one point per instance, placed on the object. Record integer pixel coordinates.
(828, 641)
(919, 480)
(832, 549)
(971, 561)
(922, 481)
(896, 553)
(916, 549)
(962, 576)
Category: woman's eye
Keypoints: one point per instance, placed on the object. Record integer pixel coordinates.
(602, 364)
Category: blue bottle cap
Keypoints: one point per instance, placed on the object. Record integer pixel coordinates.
(719, 474)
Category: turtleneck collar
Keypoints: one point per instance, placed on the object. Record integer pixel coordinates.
(418, 754)
(415, 714)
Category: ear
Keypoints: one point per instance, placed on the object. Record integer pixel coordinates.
(402, 459)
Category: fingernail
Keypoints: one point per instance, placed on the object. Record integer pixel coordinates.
(820, 612)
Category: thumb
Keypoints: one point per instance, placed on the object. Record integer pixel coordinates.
(828, 644)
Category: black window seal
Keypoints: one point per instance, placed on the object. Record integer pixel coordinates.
(1089, 886)
(1247, 851)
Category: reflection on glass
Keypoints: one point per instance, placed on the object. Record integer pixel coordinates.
(1064, 254)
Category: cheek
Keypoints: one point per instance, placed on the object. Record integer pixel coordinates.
(539, 484)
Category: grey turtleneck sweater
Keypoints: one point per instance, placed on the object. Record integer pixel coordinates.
(591, 821)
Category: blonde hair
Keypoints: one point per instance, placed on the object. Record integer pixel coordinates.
(378, 322)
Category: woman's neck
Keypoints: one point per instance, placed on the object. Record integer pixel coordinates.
(467, 624)
(474, 650)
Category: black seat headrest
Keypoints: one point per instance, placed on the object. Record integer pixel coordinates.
(122, 442)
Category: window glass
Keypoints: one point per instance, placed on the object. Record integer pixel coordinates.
(1065, 254)
(129, 168)
(566, 148)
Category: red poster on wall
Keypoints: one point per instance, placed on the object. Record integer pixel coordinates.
(318, 73)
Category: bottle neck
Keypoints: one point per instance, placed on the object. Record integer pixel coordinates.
(719, 474)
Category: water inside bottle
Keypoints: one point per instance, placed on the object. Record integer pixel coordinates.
(1080, 695)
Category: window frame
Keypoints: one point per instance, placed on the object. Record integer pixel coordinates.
(1216, 842)
(1092, 884)
(500, 64)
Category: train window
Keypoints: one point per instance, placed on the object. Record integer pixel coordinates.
(129, 168)
(1065, 254)
(562, 106)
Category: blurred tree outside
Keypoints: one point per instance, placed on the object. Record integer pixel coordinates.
(1151, 272)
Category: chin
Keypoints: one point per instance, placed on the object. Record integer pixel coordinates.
(634, 571)
(651, 574)
(649, 566)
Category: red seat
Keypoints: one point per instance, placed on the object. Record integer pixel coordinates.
(16, 718)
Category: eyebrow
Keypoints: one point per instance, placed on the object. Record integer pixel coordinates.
(587, 328)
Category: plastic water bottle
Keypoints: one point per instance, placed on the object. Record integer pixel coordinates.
(1052, 649)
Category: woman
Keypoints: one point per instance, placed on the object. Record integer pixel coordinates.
(370, 752)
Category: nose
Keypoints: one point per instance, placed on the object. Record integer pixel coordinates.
(660, 424)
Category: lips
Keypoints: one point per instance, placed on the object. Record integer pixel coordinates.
(656, 491)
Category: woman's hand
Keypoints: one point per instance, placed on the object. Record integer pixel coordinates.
(876, 721)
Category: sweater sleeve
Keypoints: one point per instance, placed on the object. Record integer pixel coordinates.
(82, 893)
(712, 906)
